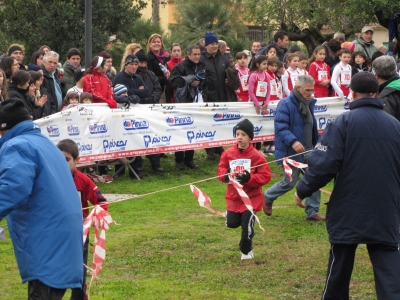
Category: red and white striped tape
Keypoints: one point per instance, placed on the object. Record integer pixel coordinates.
(246, 200)
(288, 169)
(204, 200)
(99, 219)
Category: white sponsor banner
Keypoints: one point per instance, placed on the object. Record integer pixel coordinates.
(103, 133)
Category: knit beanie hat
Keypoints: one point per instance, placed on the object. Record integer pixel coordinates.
(13, 49)
(247, 127)
(210, 38)
(33, 67)
(120, 89)
(12, 112)
(130, 59)
(294, 49)
(141, 55)
(364, 82)
(349, 45)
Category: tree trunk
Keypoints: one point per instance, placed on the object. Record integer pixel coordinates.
(155, 13)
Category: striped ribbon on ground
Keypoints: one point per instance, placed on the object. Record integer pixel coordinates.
(288, 169)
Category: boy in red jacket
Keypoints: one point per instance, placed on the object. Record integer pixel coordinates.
(252, 172)
(88, 192)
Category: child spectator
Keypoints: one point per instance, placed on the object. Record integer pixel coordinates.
(359, 62)
(242, 92)
(97, 83)
(320, 71)
(280, 71)
(290, 76)
(85, 98)
(272, 66)
(121, 95)
(252, 172)
(88, 192)
(303, 63)
(341, 75)
(70, 99)
(259, 84)
(78, 75)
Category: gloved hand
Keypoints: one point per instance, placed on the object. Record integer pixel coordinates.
(134, 99)
(226, 176)
(244, 177)
(200, 75)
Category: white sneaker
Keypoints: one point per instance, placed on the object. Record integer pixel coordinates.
(249, 255)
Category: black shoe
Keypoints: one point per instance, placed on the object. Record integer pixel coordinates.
(158, 169)
(192, 165)
(162, 155)
(181, 166)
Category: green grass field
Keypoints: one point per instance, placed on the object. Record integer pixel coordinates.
(168, 247)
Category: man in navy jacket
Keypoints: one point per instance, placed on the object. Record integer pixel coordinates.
(360, 149)
(295, 135)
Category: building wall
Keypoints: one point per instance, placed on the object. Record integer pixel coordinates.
(166, 13)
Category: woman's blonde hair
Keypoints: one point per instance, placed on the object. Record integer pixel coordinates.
(129, 49)
(151, 38)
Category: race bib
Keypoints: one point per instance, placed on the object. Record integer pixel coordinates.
(238, 166)
(261, 90)
(322, 75)
(274, 87)
(244, 82)
(345, 77)
(294, 77)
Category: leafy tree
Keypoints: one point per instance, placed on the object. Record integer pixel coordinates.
(195, 18)
(139, 32)
(304, 20)
(61, 24)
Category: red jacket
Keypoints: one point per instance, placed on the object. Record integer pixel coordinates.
(172, 62)
(99, 86)
(88, 192)
(259, 176)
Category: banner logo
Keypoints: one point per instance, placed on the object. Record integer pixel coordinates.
(114, 146)
(320, 108)
(136, 124)
(179, 120)
(98, 127)
(227, 116)
(269, 112)
(85, 148)
(156, 140)
(53, 130)
(73, 129)
(200, 136)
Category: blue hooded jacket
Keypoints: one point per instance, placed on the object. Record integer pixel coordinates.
(43, 209)
(289, 127)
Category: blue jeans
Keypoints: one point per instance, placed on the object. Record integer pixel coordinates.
(278, 189)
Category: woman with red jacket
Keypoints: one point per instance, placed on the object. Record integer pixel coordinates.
(97, 83)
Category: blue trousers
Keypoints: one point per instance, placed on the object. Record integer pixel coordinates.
(312, 203)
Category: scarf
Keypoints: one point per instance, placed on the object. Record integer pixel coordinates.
(161, 57)
(142, 72)
(71, 66)
(304, 106)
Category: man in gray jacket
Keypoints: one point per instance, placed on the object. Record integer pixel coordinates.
(365, 43)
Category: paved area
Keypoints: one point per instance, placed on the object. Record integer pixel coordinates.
(118, 197)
